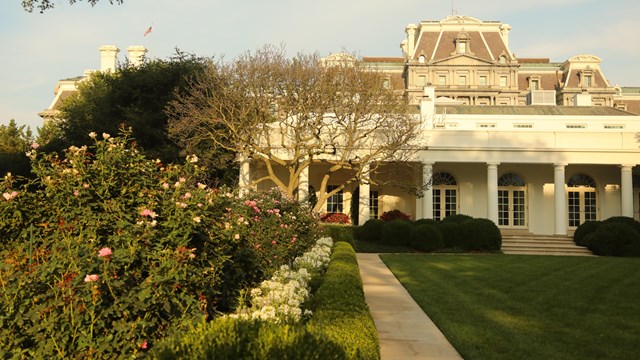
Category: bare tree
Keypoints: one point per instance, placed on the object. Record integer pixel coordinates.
(43, 5)
(296, 112)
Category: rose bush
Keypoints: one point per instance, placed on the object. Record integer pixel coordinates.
(105, 252)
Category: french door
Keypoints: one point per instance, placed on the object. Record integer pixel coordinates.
(512, 201)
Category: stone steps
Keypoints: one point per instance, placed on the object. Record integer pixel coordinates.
(542, 245)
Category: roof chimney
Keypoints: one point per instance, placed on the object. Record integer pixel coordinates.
(108, 59)
(136, 55)
(427, 106)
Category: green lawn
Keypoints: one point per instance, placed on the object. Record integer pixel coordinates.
(528, 307)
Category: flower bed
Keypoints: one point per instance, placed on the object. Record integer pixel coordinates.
(106, 252)
(340, 328)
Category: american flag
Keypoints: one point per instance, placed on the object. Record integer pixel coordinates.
(148, 30)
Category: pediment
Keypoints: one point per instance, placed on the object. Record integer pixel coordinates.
(462, 59)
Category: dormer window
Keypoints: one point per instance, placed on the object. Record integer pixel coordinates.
(586, 78)
(462, 43)
(534, 82)
(421, 59)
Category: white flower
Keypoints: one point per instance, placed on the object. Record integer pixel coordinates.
(197, 219)
(192, 159)
(93, 134)
(105, 136)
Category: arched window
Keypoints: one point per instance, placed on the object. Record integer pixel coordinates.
(445, 195)
(512, 201)
(581, 180)
(581, 199)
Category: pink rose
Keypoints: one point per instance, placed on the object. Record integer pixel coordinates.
(104, 252)
(91, 278)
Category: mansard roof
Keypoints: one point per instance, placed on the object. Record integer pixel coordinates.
(437, 40)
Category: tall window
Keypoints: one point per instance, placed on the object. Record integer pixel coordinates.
(462, 80)
(334, 202)
(422, 80)
(445, 195)
(373, 204)
(581, 199)
(587, 81)
(535, 85)
(483, 80)
(503, 81)
(442, 80)
(512, 201)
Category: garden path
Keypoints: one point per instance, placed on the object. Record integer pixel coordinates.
(404, 330)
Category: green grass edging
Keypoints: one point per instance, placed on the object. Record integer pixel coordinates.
(341, 326)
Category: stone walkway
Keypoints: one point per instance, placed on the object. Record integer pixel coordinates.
(404, 330)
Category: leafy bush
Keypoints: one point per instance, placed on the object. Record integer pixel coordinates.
(583, 230)
(480, 234)
(340, 232)
(105, 252)
(625, 220)
(426, 222)
(341, 327)
(393, 215)
(396, 232)
(451, 234)
(614, 239)
(335, 218)
(425, 237)
(370, 231)
(457, 218)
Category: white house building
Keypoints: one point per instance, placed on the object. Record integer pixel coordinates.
(537, 147)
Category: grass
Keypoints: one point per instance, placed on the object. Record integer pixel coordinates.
(528, 307)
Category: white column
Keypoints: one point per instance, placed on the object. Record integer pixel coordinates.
(364, 213)
(427, 185)
(492, 192)
(244, 180)
(626, 190)
(560, 200)
(303, 184)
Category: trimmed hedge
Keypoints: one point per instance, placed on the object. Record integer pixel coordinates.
(339, 232)
(481, 234)
(396, 232)
(615, 236)
(340, 328)
(459, 232)
(370, 231)
(614, 239)
(425, 237)
(583, 230)
(341, 313)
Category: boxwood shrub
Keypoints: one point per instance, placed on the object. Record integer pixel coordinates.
(370, 231)
(583, 230)
(340, 328)
(481, 234)
(339, 232)
(614, 239)
(396, 232)
(425, 237)
(451, 234)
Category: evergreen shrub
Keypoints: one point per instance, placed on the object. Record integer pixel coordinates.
(614, 239)
(370, 231)
(425, 237)
(396, 232)
(583, 230)
(480, 234)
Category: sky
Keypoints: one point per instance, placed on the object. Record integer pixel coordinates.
(37, 50)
